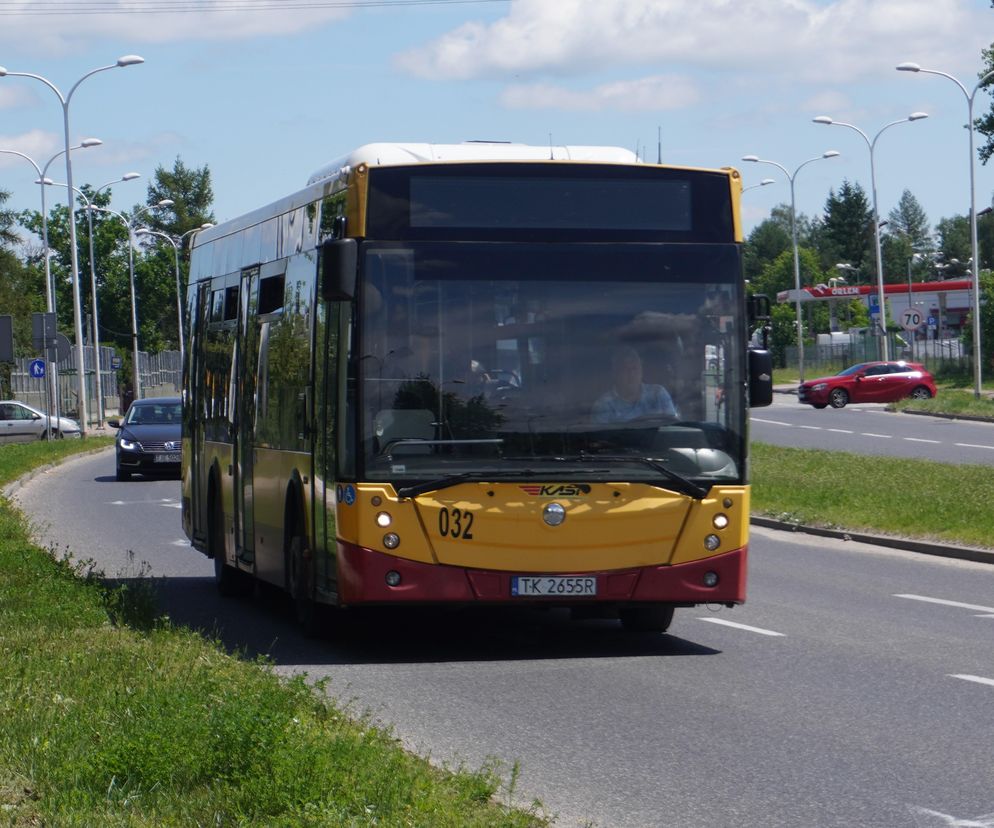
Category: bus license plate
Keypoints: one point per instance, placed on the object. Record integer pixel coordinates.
(548, 586)
(166, 458)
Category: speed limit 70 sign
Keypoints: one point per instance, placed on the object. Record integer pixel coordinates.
(912, 319)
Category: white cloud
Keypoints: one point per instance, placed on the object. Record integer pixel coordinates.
(809, 40)
(12, 96)
(129, 21)
(656, 93)
(40, 146)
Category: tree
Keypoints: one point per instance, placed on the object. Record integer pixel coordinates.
(772, 237)
(907, 233)
(954, 245)
(8, 219)
(847, 231)
(192, 195)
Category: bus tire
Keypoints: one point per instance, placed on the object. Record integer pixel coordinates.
(646, 619)
(299, 585)
(228, 580)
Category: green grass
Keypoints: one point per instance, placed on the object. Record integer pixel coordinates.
(909, 498)
(113, 717)
(951, 401)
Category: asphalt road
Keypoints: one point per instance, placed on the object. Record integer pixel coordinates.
(871, 429)
(855, 688)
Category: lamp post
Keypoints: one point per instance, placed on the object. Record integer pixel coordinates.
(974, 247)
(848, 268)
(53, 384)
(131, 176)
(762, 183)
(126, 60)
(84, 144)
(129, 223)
(793, 234)
(871, 144)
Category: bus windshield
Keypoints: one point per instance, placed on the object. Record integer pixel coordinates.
(587, 359)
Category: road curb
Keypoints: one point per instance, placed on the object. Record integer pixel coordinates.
(964, 553)
(10, 489)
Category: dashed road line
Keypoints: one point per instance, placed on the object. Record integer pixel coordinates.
(839, 430)
(921, 440)
(945, 603)
(972, 445)
(738, 626)
(975, 679)
(880, 436)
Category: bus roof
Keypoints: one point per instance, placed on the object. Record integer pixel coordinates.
(390, 155)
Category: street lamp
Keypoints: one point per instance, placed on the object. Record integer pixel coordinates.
(974, 247)
(762, 183)
(145, 231)
(793, 233)
(849, 269)
(53, 384)
(126, 60)
(871, 144)
(84, 144)
(131, 176)
(129, 223)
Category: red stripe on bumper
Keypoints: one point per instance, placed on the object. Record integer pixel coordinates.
(362, 579)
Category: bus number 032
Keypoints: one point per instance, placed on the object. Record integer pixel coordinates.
(455, 523)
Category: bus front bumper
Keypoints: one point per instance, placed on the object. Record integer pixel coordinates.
(366, 576)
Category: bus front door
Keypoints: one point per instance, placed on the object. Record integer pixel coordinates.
(245, 388)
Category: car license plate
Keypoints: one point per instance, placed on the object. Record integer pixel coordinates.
(553, 586)
(167, 458)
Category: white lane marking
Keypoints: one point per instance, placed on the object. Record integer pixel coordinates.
(972, 445)
(839, 430)
(771, 422)
(183, 542)
(920, 440)
(173, 505)
(881, 436)
(950, 821)
(944, 602)
(745, 627)
(812, 428)
(976, 679)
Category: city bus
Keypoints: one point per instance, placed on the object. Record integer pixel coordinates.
(398, 381)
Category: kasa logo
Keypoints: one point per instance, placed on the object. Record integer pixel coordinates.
(557, 490)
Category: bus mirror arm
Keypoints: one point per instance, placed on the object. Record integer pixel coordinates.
(760, 378)
(339, 260)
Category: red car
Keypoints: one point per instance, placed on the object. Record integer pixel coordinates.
(869, 382)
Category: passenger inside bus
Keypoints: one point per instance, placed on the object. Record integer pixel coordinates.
(630, 398)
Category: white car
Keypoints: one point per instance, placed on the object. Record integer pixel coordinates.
(21, 423)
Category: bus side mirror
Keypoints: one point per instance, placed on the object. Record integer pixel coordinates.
(339, 260)
(760, 378)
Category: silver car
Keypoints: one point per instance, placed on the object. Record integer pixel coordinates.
(21, 423)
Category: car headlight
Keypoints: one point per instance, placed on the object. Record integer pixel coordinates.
(821, 386)
(127, 445)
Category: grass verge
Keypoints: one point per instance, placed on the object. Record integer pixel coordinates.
(112, 717)
(907, 498)
(952, 402)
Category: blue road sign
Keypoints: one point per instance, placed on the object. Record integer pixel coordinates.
(116, 362)
(37, 368)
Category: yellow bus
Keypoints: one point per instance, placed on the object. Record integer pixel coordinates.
(475, 374)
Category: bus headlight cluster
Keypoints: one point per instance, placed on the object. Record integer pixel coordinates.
(383, 520)
(720, 521)
(710, 579)
(391, 540)
(712, 542)
(393, 578)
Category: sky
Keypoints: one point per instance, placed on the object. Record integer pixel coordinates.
(265, 92)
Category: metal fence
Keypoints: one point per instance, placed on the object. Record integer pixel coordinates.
(159, 374)
(939, 356)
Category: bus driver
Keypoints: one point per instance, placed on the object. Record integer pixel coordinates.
(630, 398)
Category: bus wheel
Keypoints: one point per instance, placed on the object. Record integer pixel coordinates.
(227, 579)
(298, 570)
(646, 619)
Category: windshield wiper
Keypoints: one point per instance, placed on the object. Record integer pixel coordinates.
(478, 476)
(695, 490)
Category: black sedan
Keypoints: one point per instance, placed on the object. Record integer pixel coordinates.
(148, 439)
